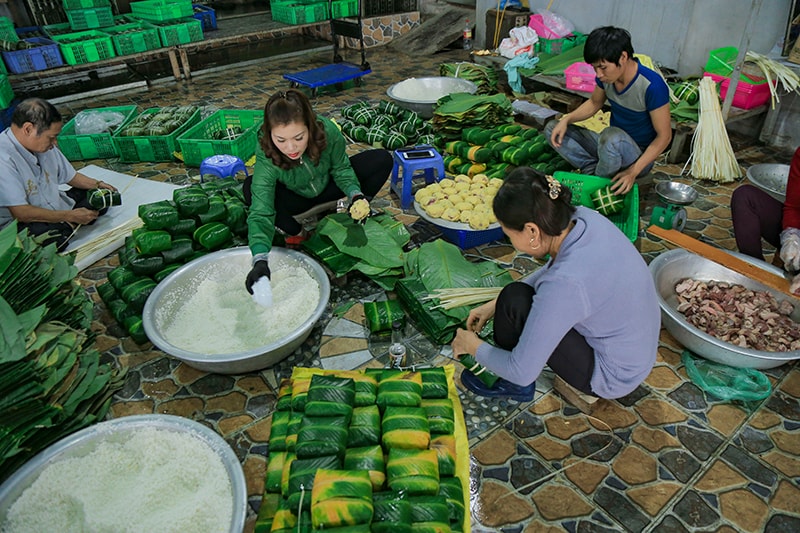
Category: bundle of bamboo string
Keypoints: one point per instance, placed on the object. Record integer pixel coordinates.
(450, 298)
(712, 156)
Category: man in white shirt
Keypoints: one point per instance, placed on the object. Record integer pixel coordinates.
(33, 171)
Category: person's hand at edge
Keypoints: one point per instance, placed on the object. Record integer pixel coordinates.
(260, 270)
(790, 249)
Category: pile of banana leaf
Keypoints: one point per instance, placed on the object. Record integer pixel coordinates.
(482, 76)
(458, 111)
(52, 382)
(374, 248)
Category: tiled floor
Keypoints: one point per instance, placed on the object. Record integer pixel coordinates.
(665, 458)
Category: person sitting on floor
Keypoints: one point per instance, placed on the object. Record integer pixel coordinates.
(34, 170)
(640, 128)
(597, 328)
(756, 215)
(302, 162)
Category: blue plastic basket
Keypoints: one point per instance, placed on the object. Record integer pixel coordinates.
(466, 239)
(46, 55)
(206, 15)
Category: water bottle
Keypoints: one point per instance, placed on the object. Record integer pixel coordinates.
(467, 34)
(398, 357)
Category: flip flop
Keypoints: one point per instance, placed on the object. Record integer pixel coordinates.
(502, 389)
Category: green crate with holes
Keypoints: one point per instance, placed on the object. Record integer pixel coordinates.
(7, 30)
(76, 146)
(294, 13)
(84, 4)
(91, 18)
(151, 148)
(228, 131)
(6, 92)
(85, 46)
(188, 30)
(133, 38)
(161, 11)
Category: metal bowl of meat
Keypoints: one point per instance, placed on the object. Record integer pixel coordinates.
(422, 94)
(770, 178)
(670, 268)
(134, 473)
(202, 314)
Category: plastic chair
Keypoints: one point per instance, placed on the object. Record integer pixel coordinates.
(427, 165)
(222, 166)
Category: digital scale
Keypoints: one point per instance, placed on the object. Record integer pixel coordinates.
(670, 213)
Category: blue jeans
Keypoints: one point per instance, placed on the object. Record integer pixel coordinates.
(598, 154)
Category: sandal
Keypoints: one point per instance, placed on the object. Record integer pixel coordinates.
(502, 389)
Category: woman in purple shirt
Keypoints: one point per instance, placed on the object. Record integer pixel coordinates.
(590, 313)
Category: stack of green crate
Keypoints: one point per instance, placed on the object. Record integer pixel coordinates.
(8, 40)
(133, 37)
(173, 19)
(88, 14)
(299, 11)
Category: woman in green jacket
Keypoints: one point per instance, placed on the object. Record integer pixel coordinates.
(302, 163)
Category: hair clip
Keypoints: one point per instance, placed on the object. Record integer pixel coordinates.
(554, 187)
(282, 94)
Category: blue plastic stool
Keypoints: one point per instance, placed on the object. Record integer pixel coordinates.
(428, 165)
(222, 166)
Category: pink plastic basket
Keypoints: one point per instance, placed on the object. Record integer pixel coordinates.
(537, 24)
(747, 95)
(580, 77)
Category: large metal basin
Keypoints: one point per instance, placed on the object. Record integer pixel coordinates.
(672, 266)
(422, 94)
(178, 286)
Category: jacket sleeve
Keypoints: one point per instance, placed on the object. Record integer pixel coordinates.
(340, 168)
(261, 216)
(791, 207)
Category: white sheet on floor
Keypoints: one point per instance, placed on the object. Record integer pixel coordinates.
(135, 192)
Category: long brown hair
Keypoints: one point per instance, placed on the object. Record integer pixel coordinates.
(286, 107)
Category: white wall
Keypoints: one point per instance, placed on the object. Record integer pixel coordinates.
(675, 33)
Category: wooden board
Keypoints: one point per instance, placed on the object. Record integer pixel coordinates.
(723, 258)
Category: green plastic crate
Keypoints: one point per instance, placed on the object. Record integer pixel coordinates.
(344, 8)
(92, 146)
(582, 187)
(85, 46)
(293, 13)
(159, 11)
(89, 19)
(152, 148)
(558, 46)
(198, 142)
(7, 30)
(84, 4)
(188, 30)
(51, 30)
(133, 38)
(6, 92)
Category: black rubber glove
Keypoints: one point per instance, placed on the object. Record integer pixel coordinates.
(259, 270)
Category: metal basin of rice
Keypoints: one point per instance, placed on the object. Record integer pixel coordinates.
(421, 94)
(770, 178)
(672, 266)
(178, 287)
(118, 430)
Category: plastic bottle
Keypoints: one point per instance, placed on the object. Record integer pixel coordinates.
(467, 34)
(398, 356)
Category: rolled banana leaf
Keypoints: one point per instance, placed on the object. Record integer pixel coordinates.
(184, 226)
(107, 292)
(158, 215)
(152, 242)
(488, 377)
(272, 482)
(295, 420)
(135, 294)
(217, 211)
(190, 201)
(405, 427)
(341, 485)
(301, 478)
(266, 513)
(300, 392)
(365, 427)
(322, 436)
(103, 198)
(391, 513)
(441, 419)
(430, 509)
(166, 271)
(122, 276)
(278, 431)
(284, 395)
(380, 315)
(445, 447)
(414, 472)
(284, 520)
(451, 489)
(287, 468)
(143, 265)
(180, 249)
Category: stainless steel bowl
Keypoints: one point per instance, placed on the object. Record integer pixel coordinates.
(770, 178)
(177, 287)
(422, 94)
(676, 193)
(672, 266)
(83, 442)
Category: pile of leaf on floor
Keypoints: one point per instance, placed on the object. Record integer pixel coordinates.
(385, 125)
(376, 248)
(199, 219)
(458, 111)
(52, 382)
(369, 451)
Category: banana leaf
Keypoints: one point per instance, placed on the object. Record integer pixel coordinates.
(452, 490)
(15, 330)
(323, 249)
(369, 242)
(429, 509)
(9, 246)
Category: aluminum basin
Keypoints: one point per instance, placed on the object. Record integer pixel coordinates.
(672, 266)
(422, 94)
(770, 178)
(178, 286)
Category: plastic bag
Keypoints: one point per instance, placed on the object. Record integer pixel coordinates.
(726, 382)
(90, 122)
(556, 23)
(520, 40)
